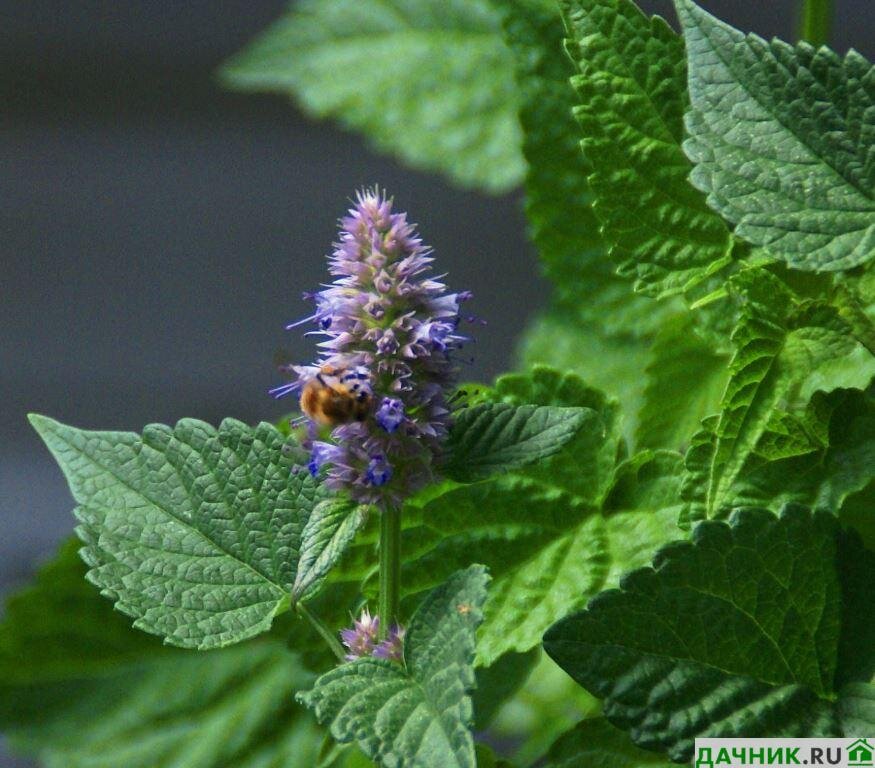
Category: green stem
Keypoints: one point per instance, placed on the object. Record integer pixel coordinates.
(816, 21)
(326, 634)
(390, 567)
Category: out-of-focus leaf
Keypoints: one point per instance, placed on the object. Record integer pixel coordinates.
(429, 81)
(82, 689)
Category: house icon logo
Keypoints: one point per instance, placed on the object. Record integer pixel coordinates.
(860, 754)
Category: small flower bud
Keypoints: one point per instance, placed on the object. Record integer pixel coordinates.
(392, 648)
(361, 640)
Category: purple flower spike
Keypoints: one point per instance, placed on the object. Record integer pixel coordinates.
(383, 316)
(390, 414)
(392, 648)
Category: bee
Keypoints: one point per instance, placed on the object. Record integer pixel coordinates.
(336, 396)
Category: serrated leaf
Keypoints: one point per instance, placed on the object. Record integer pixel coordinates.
(535, 529)
(542, 565)
(779, 343)
(548, 551)
(330, 529)
(415, 713)
(827, 475)
(822, 458)
(782, 140)
(596, 743)
(751, 629)
(585, 465)
(491, 438)
(82, 689)
(671, 412)
(429, 81)
(631, 95)
(193, 531)
(562, 224)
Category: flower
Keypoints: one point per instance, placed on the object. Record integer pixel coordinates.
(361, 640)
(392, 648)
(386, 320)
(321, 453)
(390, 414)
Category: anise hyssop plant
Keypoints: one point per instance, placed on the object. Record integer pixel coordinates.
(671, 498)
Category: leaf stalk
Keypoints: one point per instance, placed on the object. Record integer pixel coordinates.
(326, 634)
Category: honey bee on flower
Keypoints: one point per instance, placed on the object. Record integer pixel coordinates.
(387, 358)
(335, 397)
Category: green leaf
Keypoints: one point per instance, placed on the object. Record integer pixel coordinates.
(429, 81)
(613, 364)
(584, 466)
(858, 511)
(754, 628)
(782, 140)
(548, 551)
(779, 343)
(193, 531)
(596, 743)
(329, 531)
(685, 379)
(822, 458)
(415, 713)
(562, 223)
(491, 438)
(827, 476)
(542, 546)
(631, 94)
(852, 306)
(641, 509)
(81, 689)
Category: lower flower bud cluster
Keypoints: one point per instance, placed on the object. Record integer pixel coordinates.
(362, 640)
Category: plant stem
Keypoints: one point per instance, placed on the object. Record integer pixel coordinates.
(326, 634)
(390, 567)
(816, 21)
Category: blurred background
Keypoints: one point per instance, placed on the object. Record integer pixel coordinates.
(156, 230)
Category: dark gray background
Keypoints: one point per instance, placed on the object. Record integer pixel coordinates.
(156, 231)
